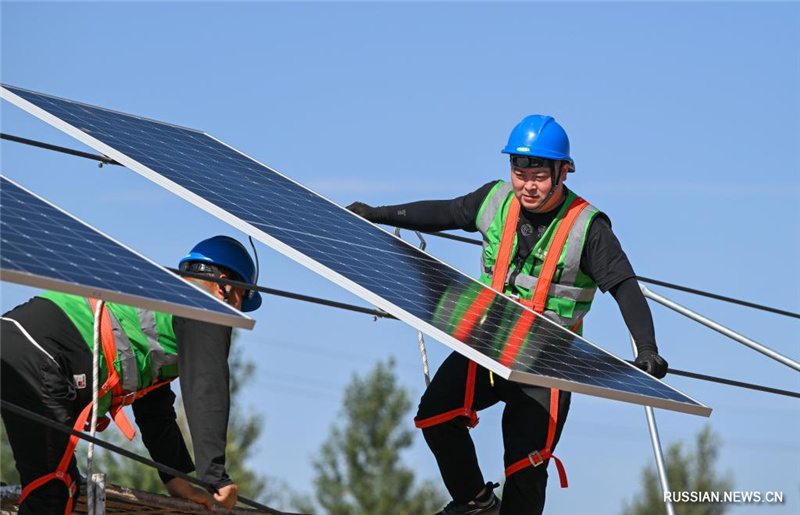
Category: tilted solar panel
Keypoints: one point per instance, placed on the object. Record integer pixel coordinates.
(429, 295)
(45, 247)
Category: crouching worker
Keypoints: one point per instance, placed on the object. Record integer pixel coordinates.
(46, 353)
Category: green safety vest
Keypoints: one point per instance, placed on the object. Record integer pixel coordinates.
(571, 293)
(146, 349)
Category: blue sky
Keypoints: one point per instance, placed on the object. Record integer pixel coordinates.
(684, 120)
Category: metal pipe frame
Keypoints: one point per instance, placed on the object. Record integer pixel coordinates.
(720, 328)
(656, 441)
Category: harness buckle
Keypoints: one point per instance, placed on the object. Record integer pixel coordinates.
(535, 458)
(127, 399)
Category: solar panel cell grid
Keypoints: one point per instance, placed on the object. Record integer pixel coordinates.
(368, 261)
(41, 245)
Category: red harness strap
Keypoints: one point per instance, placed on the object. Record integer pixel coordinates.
(61, 471)
(119, 398)
(465, 411)
(503, 260)
(537, 303)
(554, 252)
(536, 458)
(539, 299)
(117, 402)
(468, 321)
(482, 301)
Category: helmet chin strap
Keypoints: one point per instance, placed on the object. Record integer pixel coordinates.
(555, 178)
(226, 288)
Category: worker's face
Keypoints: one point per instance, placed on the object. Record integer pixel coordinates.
(532, 185)
(235, 295)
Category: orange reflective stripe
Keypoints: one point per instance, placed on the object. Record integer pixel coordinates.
(503, 260)
(554, 250)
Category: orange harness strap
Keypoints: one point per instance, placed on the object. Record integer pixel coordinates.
(465, 411)
(118, 401)
(503, 260)
(61, 471)
(482, 301)
(112, 382)
(537, 303)
(539, 299)
(119, 398)
(553, 253)
(536, 458)
(470, 318)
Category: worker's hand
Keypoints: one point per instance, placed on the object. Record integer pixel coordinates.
(365, 211)
(649, 361)
(178, 487)
(227, 496)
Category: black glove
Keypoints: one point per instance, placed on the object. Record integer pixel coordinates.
(649, 361)
(373, 214)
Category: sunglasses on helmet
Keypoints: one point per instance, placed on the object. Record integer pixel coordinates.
(520, 161)
(206, 268)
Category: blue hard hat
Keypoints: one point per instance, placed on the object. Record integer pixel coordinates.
(541, 136)
(226, 252)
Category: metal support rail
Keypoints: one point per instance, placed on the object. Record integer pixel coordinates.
(64, 150)
(656, 441)
(720, 328)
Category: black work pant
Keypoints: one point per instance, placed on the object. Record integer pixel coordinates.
(526, 419)
(32, 380)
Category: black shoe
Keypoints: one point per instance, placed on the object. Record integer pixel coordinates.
(489, 504)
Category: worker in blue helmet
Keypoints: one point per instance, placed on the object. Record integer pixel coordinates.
(223, 255)
(46, 352)
(558, 250)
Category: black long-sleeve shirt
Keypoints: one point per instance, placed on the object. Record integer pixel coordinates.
(203, 350)
(204, 376)
(602, 258)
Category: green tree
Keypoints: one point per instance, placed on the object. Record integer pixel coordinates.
(359, 470)
(690, 470)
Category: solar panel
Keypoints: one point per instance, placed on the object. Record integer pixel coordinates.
(487, 327)
(46, 247)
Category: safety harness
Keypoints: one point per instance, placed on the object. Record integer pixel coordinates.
(119, 400)
(537, 303)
